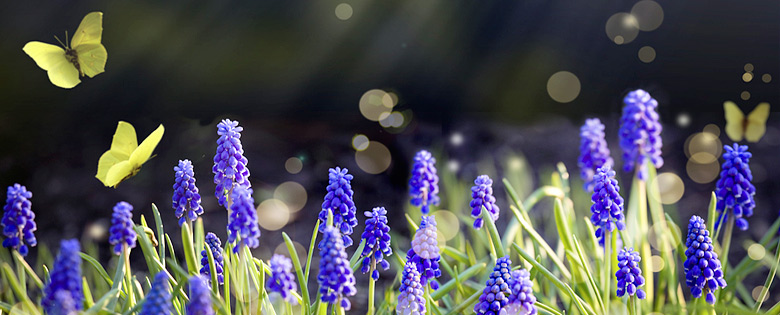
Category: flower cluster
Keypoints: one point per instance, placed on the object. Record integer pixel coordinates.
(18, 219)
(186, 199)
(63, 304)
(200, 296)
(282, 280)
(594, 152)
(215, 246)
(229, 161)
(629, 275)
(338, 201)
(65, 276)
(425, 252)
(495, 296)
(482, 196)
(337, 282)
(242, 221)
(703, 272)
(377, 237)
(522, 300)
(411, 300)
(424, 184)
(158, 300)
(121, 230)
(640, 133)
(607, 205)
(734, 188)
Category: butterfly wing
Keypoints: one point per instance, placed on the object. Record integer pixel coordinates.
(92, 58)
(756, 123)
(735, 121)
(144, 151)
(90, 30)
(118, 173)
(122, 146)
(51, 58)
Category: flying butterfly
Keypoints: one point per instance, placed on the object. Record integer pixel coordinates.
(85, 55)
(752, 127)
(125, 157)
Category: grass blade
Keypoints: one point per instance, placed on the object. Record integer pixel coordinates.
(302, 281)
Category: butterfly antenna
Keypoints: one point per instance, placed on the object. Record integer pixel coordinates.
(66, 38)
(63, 45)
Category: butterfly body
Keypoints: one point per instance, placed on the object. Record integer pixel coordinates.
(125, 157)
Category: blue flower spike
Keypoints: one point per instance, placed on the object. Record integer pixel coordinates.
(282, 280)
(703, 273)
(64, 286)
(734, 189)
(425, 252)
(411, 300)
(186, 198)
(629, 275)
(215, 246)
(640, 133)
(121, 231)
(229, 167)
(594, 152)
(158, 300)
(522, 300)
(424, 183)
(482, 196)
(337, 282)
(18, 221)
(377, 238)
(242, 222)
(495, 296)
(607, 208)
(338, 200)
(200, 296)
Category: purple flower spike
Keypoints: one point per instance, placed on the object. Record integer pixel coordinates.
(703, 273)
(425, 252)
(735, 189)
(243, 219)
(640, 133)
(629, 275)
(377, 237)
(337, 282)
(18, 220)
(424, 184)
(282, 280)
(186, 199)
(411, 300)
(121, 231)
(158, 300)
(594, 152)
(229, 163)
(482, 195)
(522, 300)
(65, 276)
(338, 200)
(495, 296)
(607, 205)
(215, 246)
(200, 296)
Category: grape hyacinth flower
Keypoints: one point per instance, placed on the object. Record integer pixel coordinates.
(229, 162)
(282, 280)
(337, 282)
(640, 133)
(215, 246)
(158, 300)
(495, 296)
(65, 276)
(377, 237)
(242, 221)
(121, 230)
(522, 300)
(424, 184)
(338, 200)
(629, 275)
(482, 195)
(425, 252)
(607, 205)
(63, 304)
(186, 199)
(200, 296)
(18, 220)
(594, 152)
(703, 272)
(734, 189)
(411, 300)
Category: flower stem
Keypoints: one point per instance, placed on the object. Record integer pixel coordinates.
(726, 245)
(607, 269)
(632, 305)
(371, 289)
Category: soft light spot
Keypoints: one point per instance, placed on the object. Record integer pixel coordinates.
(292, 194)
(456, 139)
(281, 249)
(398, 119)
(649, 15)
(622, 28)
(653, 236)
(293, 165)
(757, 292)
(453, 166)
(343, 11)
(748, 67)
(360, 142)
(747, 77)
(670, 188)
(448, 223)
(657, 263)
(97, 230)
(702, 173)
(646, 54)
(386, 119)
(713, 129)
(372, 105)
(766, 78)
(273, 214)
(745, 95)
(374, 159)
(683, 120)
(703, 142)
(515, 163)
(563, 86)
(756, 252)
(390, 99)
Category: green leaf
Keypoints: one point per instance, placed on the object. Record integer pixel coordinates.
(302, 281)
(447, 287)
(21, 262)
(21, 295)
(541, 242)
(105, 303)
(493, 232)
(160, 233)
(189, 248)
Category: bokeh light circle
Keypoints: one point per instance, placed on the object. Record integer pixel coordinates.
(756, 292)
(745, 95)
(293, 165)
(374, 159)
(372, 105)
(646, 54)
(359, 142)
(343, 11)
(766, 78)
(703, 142)
(748, 67)
(657, 263)
(670, 188)
(622, 28)
(702, 173)
(649, 15)
(292, 194)
(747, 77)
(448, 223)
(713, 129)
(273, 214)
(756, 252)
(563, 86)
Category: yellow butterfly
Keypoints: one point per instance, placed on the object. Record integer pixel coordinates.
(752, 127)
(125, 157)
(85, 56)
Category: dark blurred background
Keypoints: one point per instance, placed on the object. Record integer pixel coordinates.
(473, 81)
